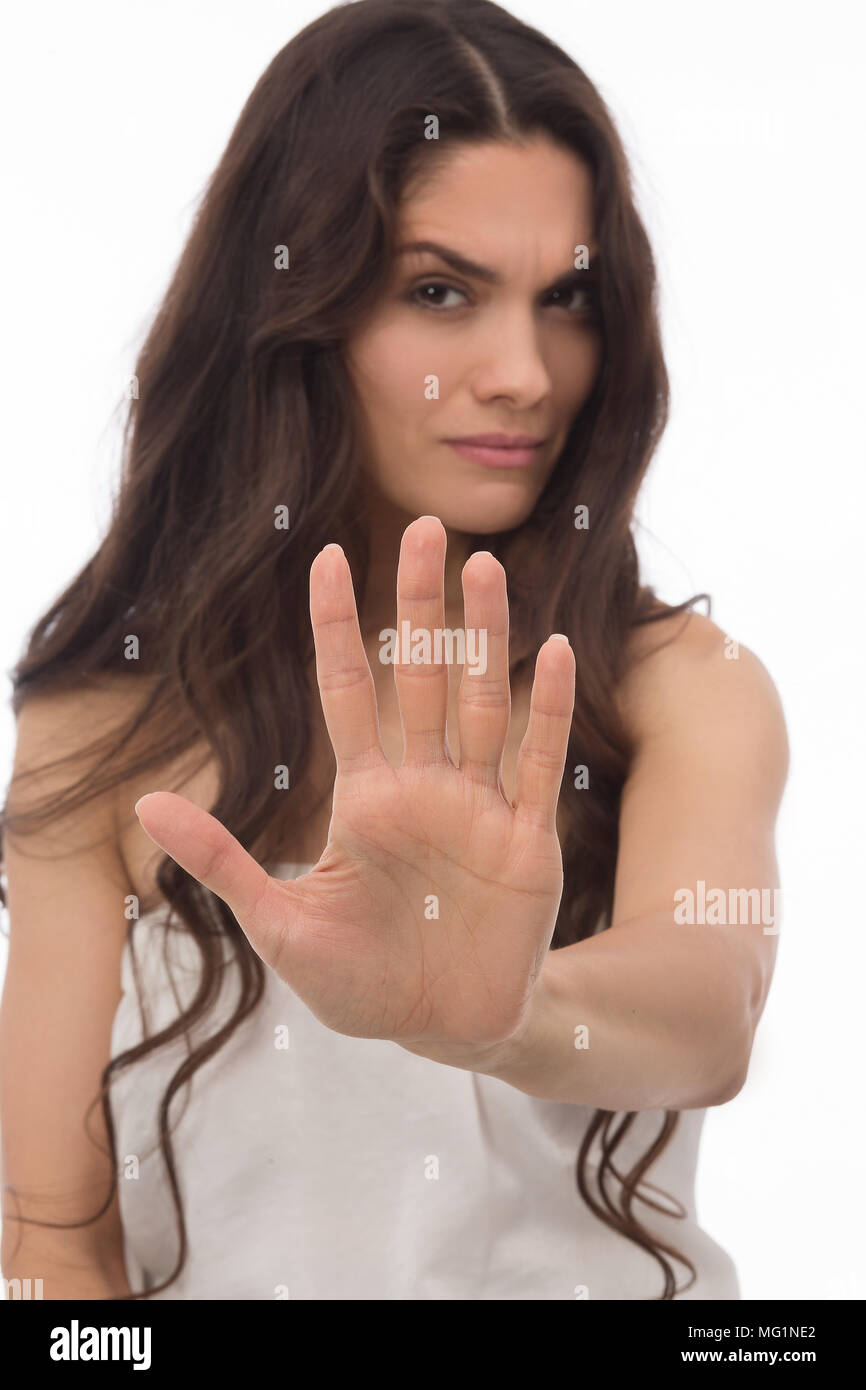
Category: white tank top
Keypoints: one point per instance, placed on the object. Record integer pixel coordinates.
(317, 1166)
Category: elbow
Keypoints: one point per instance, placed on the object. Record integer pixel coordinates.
(724, 1069)
(741, 1017)
(733, 1074)
(733, 1088)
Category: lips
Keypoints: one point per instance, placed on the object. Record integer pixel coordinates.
(499, 441)
(499, 450)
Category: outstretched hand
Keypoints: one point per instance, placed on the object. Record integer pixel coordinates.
(429, 915)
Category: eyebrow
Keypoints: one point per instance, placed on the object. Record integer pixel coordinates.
(482, 272)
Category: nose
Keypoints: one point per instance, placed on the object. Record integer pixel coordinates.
(509, 361)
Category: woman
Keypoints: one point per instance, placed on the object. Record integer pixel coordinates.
(396, 987)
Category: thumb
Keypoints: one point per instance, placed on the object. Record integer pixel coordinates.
(202, 846)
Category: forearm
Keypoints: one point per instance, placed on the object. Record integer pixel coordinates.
(49, 1283)
(40, 1265)
(646, 1015)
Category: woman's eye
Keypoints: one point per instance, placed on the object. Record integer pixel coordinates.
(427, 294)
(575, 299)
(585, 302)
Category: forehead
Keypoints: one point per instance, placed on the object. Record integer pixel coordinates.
(501, 199)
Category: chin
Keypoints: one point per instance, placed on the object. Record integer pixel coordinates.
(482, 514)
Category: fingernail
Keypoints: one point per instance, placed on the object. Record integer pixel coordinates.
(557, 637)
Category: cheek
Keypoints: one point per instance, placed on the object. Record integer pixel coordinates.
(575, 370)
(390, 369)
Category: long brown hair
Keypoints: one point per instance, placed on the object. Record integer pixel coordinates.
(244, 406)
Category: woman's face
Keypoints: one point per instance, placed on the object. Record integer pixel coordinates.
(512, 351)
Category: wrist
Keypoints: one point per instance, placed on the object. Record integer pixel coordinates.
(512, 1059)
(517, 1059)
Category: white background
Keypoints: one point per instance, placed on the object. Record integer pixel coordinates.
(744, 123)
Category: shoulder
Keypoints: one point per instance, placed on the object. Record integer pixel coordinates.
(61, 736)
(83, 757)
(688, 683)
(71, 722)
(78, 710)
(67, 724)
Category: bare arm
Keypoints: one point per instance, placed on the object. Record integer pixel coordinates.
(670, 1007)
(66, 891)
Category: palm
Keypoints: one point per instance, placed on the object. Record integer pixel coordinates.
(429, 914)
